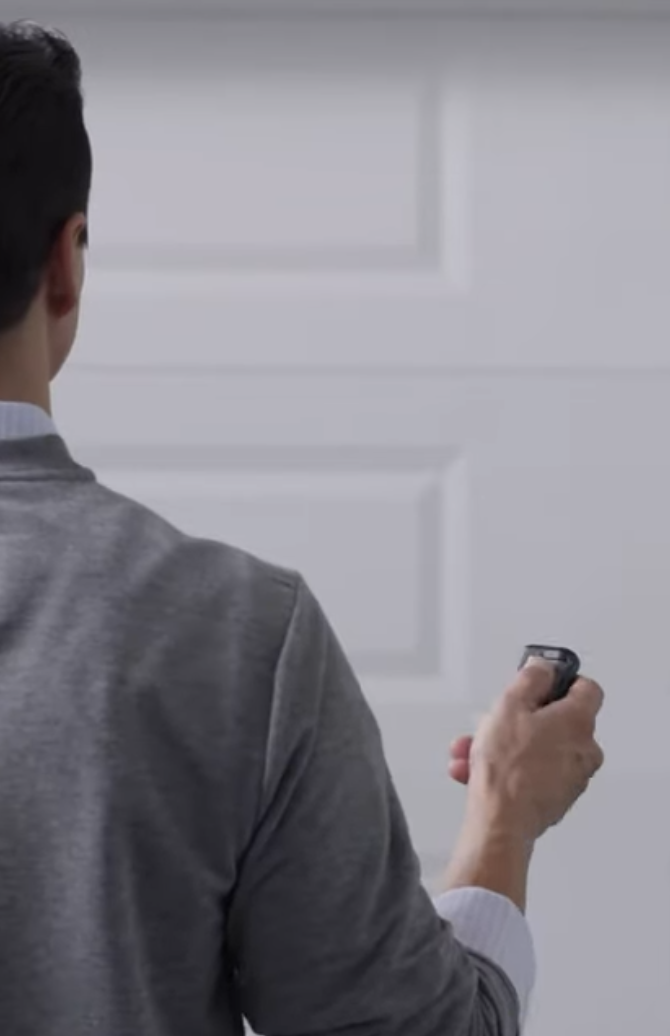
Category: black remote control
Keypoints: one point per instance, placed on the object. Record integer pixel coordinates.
(567, 665)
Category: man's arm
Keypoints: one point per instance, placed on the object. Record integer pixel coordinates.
(330, 927)
(491, 855)
(487, 881)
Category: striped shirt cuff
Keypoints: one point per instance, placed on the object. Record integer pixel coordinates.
(493, 927)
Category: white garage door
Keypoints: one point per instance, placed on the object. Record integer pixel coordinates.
(388, 300)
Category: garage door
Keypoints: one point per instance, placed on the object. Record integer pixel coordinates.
(387, 300)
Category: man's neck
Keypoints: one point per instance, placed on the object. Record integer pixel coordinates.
(24, 375)
(9, 394)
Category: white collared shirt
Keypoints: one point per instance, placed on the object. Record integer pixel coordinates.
(24, 421)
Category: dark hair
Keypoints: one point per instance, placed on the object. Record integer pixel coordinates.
(45, 157)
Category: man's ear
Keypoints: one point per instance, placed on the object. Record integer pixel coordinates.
(65, 269)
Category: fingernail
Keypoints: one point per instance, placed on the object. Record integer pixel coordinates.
(535, 662)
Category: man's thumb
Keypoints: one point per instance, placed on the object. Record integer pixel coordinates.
(533, 684)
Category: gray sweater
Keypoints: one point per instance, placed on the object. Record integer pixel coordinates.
(196, 818)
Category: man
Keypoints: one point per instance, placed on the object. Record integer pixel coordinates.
(196, 819)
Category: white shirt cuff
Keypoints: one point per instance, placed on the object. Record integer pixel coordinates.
(493, 927)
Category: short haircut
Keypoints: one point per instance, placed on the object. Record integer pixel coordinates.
(45, 158)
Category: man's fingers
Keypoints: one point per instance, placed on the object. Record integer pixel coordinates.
(459, 770)
(533, 684)
(586, 695)
(461, 748)
(459, 765)
(589, 693)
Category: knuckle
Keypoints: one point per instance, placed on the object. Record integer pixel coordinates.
(595, 693)
(598, 757)
(591, 758)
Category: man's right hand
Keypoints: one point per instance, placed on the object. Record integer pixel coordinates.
(529, 762)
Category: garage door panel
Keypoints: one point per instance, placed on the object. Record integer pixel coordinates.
(599, 903)
(272, 186)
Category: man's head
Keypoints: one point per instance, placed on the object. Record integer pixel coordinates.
(45, 182)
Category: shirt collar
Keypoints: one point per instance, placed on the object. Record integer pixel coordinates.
(24, 421)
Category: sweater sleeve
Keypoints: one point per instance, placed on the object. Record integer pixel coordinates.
(330, 927)
(493, 927)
